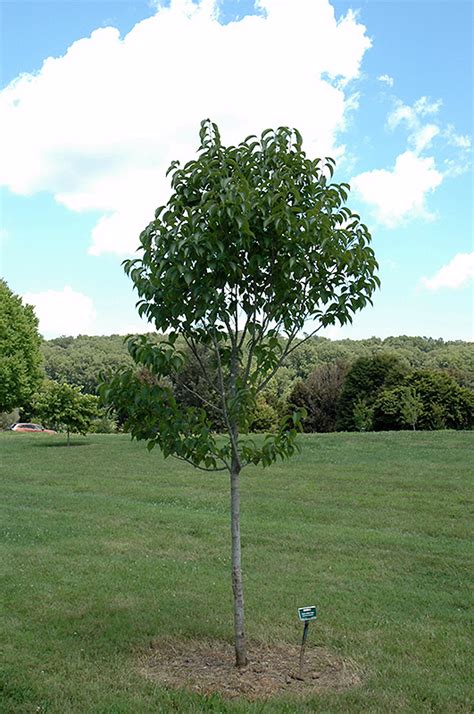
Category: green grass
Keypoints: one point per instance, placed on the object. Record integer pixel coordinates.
(105, 546)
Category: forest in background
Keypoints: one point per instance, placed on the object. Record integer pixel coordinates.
(392, 383)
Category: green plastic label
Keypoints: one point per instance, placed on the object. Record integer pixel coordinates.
(307, 613)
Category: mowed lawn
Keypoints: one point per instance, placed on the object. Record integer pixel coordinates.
(105, 546)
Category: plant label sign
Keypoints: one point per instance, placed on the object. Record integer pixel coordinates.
(307, 613)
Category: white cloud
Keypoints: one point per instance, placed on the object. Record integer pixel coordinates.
(62, 312)
(461, 141)
(411, 114)
(455, 274)
(424, 106)
(423, 137)
(387, 79)
(98, 127)
(400, 193)
(420, 135)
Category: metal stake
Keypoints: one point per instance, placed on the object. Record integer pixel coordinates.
(303, 645)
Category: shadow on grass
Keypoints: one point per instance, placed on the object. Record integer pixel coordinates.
(63, 444)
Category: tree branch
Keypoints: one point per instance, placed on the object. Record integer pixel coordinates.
(201, 468)
(192, 346)
(285, 354)
(224, 400)
(199, 396)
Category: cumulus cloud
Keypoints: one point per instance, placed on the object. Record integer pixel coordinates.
(455, 274)
(386, 79)
(98, 127)
(401, 192)
(62, 312)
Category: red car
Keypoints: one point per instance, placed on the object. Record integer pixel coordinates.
(31, 428)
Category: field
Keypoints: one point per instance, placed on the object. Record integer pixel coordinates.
(105, 547)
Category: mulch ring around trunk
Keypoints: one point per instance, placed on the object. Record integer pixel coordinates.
(208, 667)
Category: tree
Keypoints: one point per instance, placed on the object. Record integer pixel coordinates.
(264, 417)
(425, 400)
(319, 395)
(411, 406)
(20, 357)
(61, 405)
(363, 383)
(362, 415)
(253, 241)
(397, 408)
(446, 405)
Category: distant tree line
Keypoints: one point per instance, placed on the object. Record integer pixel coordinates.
(395, 383)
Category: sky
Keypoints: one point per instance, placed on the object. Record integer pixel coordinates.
(97, 97)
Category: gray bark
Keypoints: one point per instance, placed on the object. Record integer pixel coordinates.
(237, 584)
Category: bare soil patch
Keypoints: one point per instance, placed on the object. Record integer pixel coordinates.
(207, 667)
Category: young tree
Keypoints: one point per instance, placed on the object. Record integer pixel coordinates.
(20, 357)
(362, 415)
(63, 406)
(254, 240)
(411, 406)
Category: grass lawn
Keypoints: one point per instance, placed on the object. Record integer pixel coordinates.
(105, 546)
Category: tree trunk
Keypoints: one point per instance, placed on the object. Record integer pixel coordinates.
(237, 585)
(68, 438)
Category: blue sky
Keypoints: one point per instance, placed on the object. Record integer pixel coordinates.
(93, 115)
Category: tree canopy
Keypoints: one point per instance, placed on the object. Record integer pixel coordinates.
(63, 406)
(20, 357)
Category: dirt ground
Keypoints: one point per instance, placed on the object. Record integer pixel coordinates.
(207, 667)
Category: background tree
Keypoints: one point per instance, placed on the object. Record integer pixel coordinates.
(319, 395)
(411, 406)
(425, 400)
(63, 406)
(264, 417)
(397, 408)
(253, 241)
(364, 381)
(20, 357)
(362, 415)
(446, 405)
